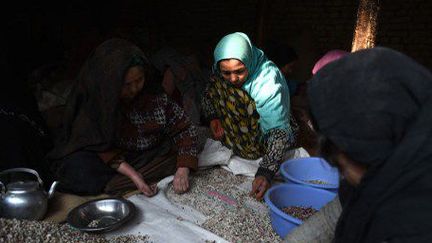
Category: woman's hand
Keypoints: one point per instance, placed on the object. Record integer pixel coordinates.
(216, 129)
(181, 180)
(259, 186)
(137, 179)
(147, 190)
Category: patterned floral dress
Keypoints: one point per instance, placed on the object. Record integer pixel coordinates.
(240, 120)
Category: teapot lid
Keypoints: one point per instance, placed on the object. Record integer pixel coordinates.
(23, 186)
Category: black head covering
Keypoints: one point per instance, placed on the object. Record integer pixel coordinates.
(376, 106)
(92, 110)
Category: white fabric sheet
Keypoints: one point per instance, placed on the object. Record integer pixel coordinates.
(164, 221)
(214, 153)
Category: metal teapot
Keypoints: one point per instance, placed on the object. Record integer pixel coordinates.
(24, 199)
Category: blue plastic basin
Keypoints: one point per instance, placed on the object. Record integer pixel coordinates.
(302, 170)
(286, 195)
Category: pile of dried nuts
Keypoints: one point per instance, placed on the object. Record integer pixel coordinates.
(301, 213)
(13, 230)
(224, 199)
(318, 182)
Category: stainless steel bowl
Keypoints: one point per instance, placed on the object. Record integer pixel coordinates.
(101, 215)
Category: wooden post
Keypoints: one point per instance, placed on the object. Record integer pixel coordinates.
(366, 26)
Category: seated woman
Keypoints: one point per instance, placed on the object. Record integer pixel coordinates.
(307, 137)
(184, 80)
(118, 129)
(328, 57)
(248, 106)
(377, 131)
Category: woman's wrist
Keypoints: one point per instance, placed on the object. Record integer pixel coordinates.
(127, 170)
(116, 161)
(136, 176)
(183, 169)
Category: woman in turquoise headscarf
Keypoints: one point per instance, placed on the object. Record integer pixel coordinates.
(248, 106)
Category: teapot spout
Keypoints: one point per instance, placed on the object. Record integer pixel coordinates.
(52, 189)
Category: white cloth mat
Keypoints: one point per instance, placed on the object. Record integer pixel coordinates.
(214, 153)
(164, 221)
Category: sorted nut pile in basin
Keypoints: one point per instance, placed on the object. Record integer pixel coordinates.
(224, 199)
(94, 223)
(318, 182)
(301, 213)
(13, 230)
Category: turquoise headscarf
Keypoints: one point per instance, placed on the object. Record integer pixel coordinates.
(265, 83)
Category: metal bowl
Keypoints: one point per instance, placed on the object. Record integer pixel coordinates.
(101, 215)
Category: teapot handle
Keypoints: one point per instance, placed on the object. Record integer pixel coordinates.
(22, 170)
